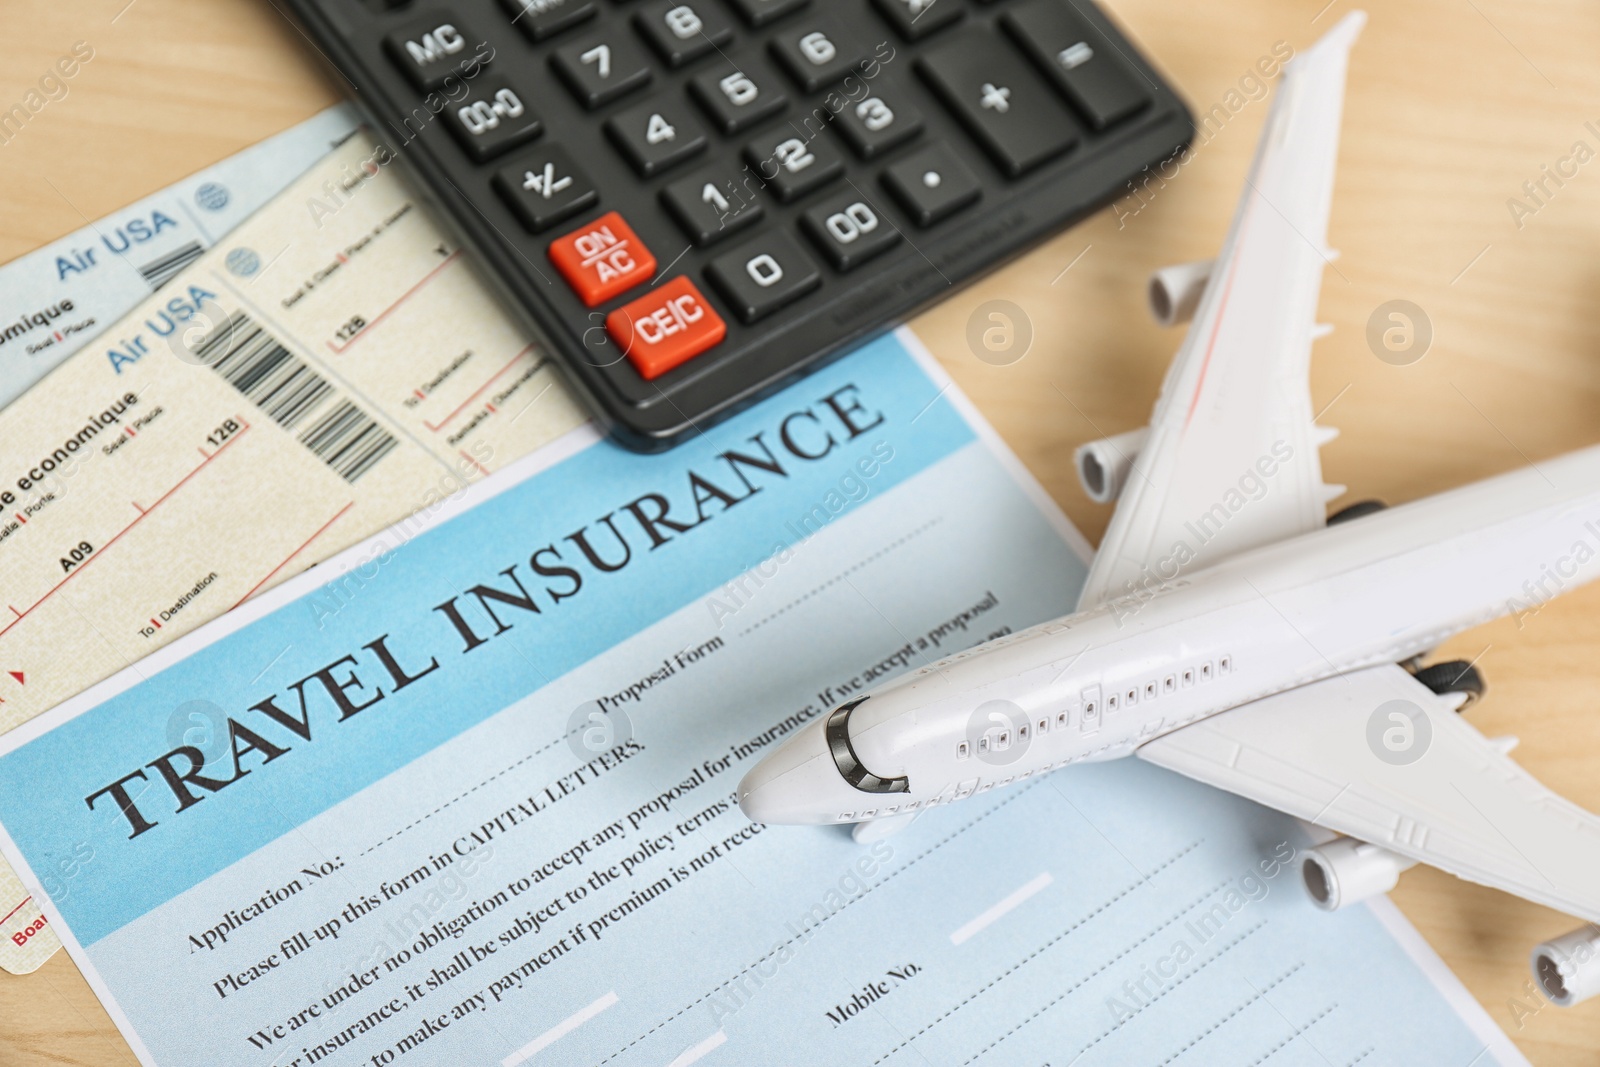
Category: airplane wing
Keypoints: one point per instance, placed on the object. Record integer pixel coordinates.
(1462, 805)
(1231, 461)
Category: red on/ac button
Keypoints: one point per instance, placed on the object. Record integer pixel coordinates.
(602, 258)
(669, 326)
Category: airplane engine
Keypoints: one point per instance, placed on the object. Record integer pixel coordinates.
(1346, 871)
(1568, 967)
(1175, 291)
(1104, 465)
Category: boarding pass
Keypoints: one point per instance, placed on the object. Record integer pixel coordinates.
(58, 298)
(330, 368)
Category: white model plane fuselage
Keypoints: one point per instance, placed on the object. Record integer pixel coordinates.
(1099, 684)
(1227, 633)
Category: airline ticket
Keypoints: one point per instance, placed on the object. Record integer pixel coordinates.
(58, 298)
(330, 368)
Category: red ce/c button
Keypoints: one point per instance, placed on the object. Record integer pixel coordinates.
(665, 328)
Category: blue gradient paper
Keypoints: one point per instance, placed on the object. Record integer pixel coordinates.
(472, 869)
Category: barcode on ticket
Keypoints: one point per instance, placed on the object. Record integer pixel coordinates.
(159, 272)
(348, 440)
(272, 378)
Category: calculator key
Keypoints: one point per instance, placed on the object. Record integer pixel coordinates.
(1074, 55)
(738, 97)
(681, 30)
(665, 328)
(932, 184)
(433, 48)
(493, 120)
(544, 187)
(764, 274)
(817, 51)
(879, 122)
(711, 206)
(1008, 108)
(916, 19)
(849, 230)
(761, 12)
(794, 166)
(656, 135)
(543, 19)
(601, 259)
(600, 69)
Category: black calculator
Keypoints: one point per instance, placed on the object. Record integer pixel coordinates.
(693, 202)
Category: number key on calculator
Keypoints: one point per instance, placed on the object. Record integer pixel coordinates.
(732, 191)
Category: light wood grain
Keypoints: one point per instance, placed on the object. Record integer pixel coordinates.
(1453, 105)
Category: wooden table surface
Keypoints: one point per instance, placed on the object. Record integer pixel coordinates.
(1453, 105)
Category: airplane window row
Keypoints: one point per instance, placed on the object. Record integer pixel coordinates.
(999, 738)
(1153, 689)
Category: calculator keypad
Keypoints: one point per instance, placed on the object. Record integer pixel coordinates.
(1006, 105)
(683, 30)
(665, 328)
(494, 119)
(602, 259)
(434, 48)
(932, 184)
(764, 274)
(793, 165)
(601, 69)
(880, 121)
(543, 19)
(737, 97)
(1079, 59)
(732, 187)
(849, 229)
(817, 51)
(916, 19)
(761, 12)
(544, 187)
(712, 205)
(655, 136)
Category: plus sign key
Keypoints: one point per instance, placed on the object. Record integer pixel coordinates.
(545, 186)
(665, 328)
(1009, 108)
(602, 258)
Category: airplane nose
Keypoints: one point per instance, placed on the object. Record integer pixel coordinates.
(799, 784)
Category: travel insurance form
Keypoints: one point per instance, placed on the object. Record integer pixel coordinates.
(465, 794)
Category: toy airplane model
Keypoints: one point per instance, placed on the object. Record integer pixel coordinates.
(1230, 632)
